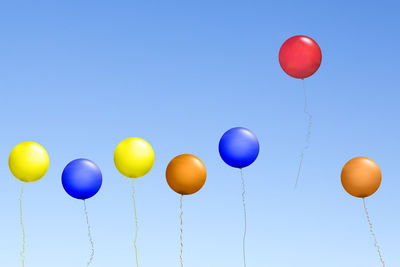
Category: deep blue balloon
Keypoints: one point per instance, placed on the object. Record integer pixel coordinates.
(239, 147)
(81, 179)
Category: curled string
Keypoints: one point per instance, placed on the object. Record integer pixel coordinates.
(22, 253)
(308, 136)
(136, 221)
(371, 230)
(89, 234)
(181, 231)
(244, 216)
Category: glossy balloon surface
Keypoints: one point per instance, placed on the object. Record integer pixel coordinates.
(300, 56)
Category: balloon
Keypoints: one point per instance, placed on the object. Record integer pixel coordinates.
(239, 147)
(300, 56)
(186, 174)
(134, 157)
(81, 179)
(361, 177)
(28, 161)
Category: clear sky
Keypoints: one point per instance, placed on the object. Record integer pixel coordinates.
(80, 76)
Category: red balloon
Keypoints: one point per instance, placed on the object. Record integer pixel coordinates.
(300, 56)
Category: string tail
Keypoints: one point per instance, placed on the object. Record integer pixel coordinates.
(308, 135)
(371, 230)
(136, 221)
(89, 234)
(244, 217)
(21, 221)
(181, 231)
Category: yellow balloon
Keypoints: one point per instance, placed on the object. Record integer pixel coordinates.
(134, 157)
(28, 161)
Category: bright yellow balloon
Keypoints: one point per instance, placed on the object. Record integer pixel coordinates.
(134, 157)
(28, 161)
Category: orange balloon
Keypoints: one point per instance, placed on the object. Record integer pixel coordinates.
(186, 174)
(361, 177)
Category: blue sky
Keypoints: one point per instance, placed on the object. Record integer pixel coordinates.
(79, 77)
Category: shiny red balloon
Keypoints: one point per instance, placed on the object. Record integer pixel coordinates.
(300, 56)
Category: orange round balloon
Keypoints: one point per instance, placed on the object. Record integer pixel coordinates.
(186, 174)
(361, 177)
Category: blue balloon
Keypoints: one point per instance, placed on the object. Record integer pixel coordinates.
(239, 147)
(81, 179)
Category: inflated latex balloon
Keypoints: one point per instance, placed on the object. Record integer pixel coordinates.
(28, 161)
(186, 174)
(239, 147)
(300, 56)
(134, 157)
(82, 179)
(361, 177)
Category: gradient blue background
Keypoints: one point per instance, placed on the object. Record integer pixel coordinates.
(80, 76)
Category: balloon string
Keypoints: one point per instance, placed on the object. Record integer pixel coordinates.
(371, 230)
(181, 231)
(307, 144)
(245, 217)
(136, 221)
(22, 254)
(89, 234)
